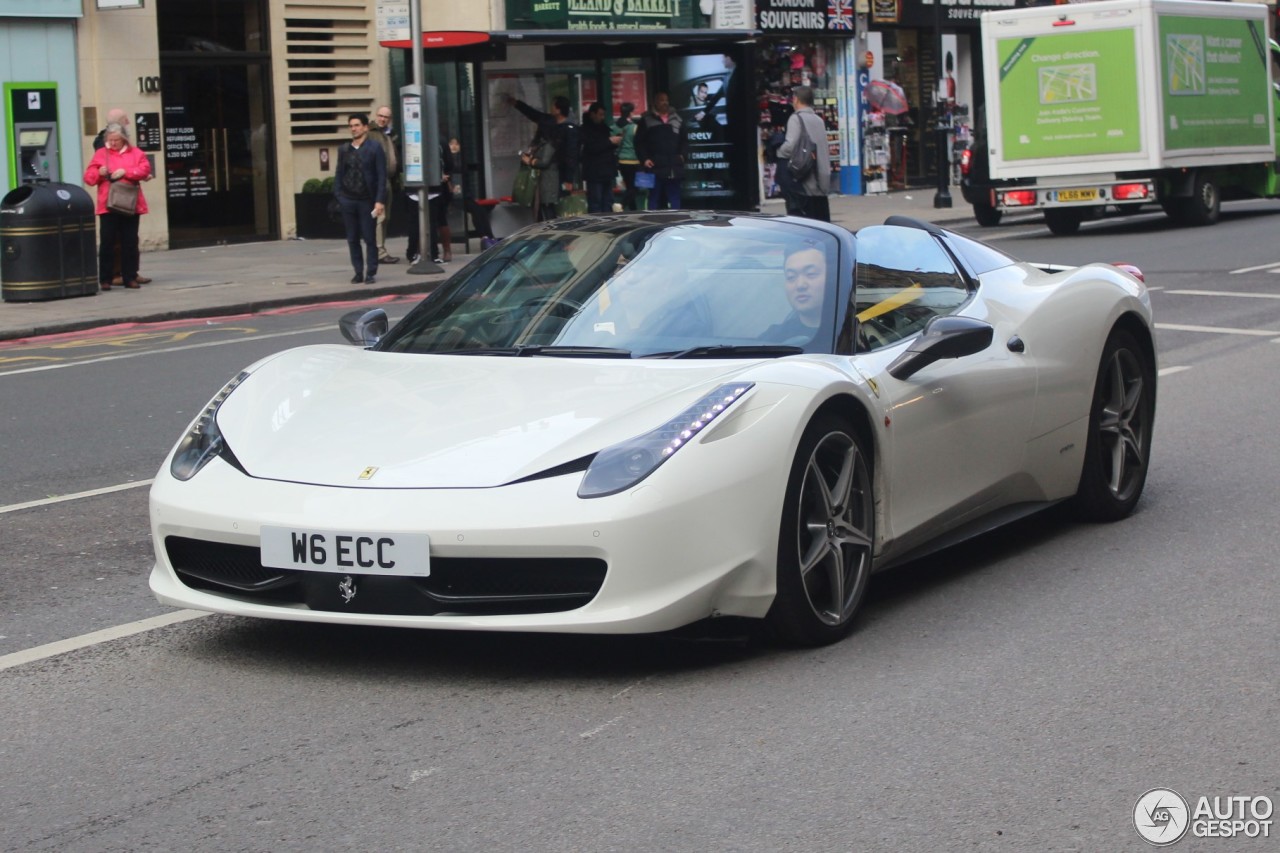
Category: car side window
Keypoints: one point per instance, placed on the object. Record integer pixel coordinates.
(903, 279)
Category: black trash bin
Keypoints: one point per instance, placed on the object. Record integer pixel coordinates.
(48, 247)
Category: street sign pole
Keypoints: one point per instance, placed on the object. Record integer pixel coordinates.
(427, 134)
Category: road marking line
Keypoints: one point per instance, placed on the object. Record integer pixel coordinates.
(1225, 293)
(203, 345)
(92, 493)
(1272, 267)
(1178, 327)
(1169, 371)
(106, 635)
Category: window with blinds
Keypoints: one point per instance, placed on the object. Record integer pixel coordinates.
(329, 47)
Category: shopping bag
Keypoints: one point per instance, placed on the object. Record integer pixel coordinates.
(572, 205)
(645, 180)
(526, 185)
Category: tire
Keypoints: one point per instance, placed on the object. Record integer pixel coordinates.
(1205, 205)
(1063, 222)
(826, 535)
(987, 216)
(1118, 452)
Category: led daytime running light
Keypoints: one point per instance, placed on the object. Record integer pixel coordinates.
(623, 465)
(204, 440)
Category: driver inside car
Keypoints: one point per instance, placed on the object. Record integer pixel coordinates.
(805, 283)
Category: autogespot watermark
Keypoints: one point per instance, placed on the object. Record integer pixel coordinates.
(1162, 817)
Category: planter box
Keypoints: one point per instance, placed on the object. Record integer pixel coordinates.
(311, 213)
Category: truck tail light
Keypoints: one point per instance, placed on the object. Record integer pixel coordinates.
(966, 160)
(1018, 198)
(1122, 192)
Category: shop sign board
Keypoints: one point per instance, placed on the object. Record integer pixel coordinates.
(596, 14)
(834, 17)
(954, 14)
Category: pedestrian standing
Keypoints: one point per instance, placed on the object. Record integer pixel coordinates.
(117, 160)
(599, 160)
(120, 117)
(660, 144)
(628, 162)
(809, 193)
(384, 132)
(360, 183)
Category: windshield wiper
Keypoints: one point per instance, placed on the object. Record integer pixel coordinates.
(532, 349)
(730, 351)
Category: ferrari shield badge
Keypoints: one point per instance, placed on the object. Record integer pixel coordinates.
(367, 473)
(347, 588)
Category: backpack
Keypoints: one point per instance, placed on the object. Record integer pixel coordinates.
(804, 156)
(353, 182)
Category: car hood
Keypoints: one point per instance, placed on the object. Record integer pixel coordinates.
(328, 414)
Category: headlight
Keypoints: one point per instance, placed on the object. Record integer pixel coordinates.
(623, 465)
(204, 440)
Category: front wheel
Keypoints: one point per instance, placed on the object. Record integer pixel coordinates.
(826, 536)
(1118, 451)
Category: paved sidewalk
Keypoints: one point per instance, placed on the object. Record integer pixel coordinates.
(249, 277)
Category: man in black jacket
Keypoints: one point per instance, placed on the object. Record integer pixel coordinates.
(360, 182)
(556, 127)
(599, 160)
(660, 144)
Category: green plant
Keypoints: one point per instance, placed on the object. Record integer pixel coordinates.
(313, 185)
(326, 186)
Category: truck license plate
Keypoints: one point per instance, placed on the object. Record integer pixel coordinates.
(1078, 195)
(347, 551)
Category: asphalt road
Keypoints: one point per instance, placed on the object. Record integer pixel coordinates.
(1019, 692)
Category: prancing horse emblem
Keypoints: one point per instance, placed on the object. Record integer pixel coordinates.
(347, 589)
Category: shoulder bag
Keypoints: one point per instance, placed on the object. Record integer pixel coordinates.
(122, 197)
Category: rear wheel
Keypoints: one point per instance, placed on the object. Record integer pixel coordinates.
(1205, 205)
(987, 216)
(1063, 222)
(1118, 451)
(825, 541)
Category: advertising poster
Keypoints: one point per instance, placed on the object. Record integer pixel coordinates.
(700, 87)
(1069, 95)
(1213, 83)
(509, 131)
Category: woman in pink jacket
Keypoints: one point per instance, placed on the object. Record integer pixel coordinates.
(117, 161)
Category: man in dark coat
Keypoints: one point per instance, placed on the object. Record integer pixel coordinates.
(557, 128)
(599, 160)
(360, 183)
(660, 145)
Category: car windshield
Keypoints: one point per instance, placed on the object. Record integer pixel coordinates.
(637, 286)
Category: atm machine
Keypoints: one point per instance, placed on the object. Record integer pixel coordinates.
(30, 134)
(37, 151)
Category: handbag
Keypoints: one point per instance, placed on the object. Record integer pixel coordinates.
(645, 180)
(122, 197)
(572, 205)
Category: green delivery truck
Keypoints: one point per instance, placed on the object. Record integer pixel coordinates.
(1122, 103)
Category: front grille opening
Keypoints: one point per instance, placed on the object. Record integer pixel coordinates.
(470, 586)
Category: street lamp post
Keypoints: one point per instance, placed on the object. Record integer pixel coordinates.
(430, 146)
(942, 198)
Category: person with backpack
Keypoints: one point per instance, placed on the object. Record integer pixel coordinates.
(804, 155)
(360, 183)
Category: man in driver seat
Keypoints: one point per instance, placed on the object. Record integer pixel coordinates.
(805, 271)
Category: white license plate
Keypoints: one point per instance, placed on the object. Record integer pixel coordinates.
(347, 552)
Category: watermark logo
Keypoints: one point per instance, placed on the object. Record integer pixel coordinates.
(1161, 817)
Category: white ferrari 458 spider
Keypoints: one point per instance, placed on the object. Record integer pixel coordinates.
(630, 423)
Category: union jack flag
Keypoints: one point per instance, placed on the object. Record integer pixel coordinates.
(840, 14)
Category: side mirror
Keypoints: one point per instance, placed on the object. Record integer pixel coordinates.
(943, 337)
(365, 327)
